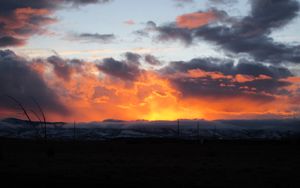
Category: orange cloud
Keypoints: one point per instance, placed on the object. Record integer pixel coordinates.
(93, 95)
(246, 78)
(152, 97)
(195, 20)
(23, 23)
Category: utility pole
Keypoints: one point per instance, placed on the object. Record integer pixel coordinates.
(198, 130)
(45, 131)
(178, 128)
(74, 131)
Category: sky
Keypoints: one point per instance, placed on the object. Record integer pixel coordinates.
(90, 60)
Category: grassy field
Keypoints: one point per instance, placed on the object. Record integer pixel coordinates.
(150, 163)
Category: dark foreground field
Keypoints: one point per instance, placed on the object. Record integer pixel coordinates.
(150, 163)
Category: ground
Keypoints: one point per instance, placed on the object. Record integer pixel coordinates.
(150, 163)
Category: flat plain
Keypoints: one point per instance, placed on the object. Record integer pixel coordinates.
(150, 163)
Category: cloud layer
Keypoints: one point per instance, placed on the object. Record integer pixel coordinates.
(91, 38)
(252, 79)
(248, 35)
(19, 20)
(208, 88)
(19, 80)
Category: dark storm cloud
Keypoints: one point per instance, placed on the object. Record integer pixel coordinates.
(166, 33)
(268, 14)
(216, 88)
(222, 88)
(63, 68)
(92, 37)
(262, 82)
(18, 80)
(171, 32)
(7, 41)
(9, 6)
(60, 67)
(249, 35)
(19, 20)
(128, 69)
(260, 47)
(255, 69)
(125, 70)
(208, 65)
(133, 57)
(152, 60)
(227, 67)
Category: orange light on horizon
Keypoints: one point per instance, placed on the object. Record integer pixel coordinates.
(93, 96)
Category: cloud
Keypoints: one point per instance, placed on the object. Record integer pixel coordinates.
(209, 88)
(83, 2)
(7, 41)
(64, 68)
(227, 67)
(152, 60)
(227, 2)
(19, 80)
(248, 35)
(19, 20)
(133, 58)
(181, 3)
(127, 70)
(103, 92)
(219, 79)
(172, 33)
(195, 20)
(150, 26)
(222, 88)
(91, 37)
(183, 29)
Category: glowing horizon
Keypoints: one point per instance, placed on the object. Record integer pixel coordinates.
(93, 60)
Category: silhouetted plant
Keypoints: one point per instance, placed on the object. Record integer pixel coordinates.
(36, 115)
(44, 117)
(39, 119)
(50, 149)
(21, 106)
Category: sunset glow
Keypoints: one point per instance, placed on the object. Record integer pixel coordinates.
(201, 61)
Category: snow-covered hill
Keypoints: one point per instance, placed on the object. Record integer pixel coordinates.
(188, 129)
